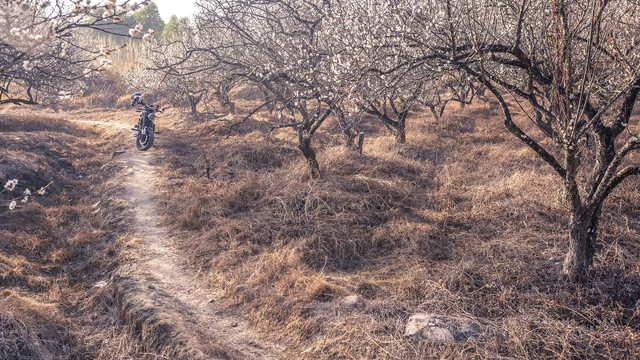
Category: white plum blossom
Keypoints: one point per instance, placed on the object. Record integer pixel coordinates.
(105, 63)
(26, 194)
(28, 65)
(105, 50)
(11, 185)
(148, 36)
(135, 31)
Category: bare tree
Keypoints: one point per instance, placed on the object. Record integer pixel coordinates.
(574, 68)
(373, 62)
(279, 47)
(184, 72)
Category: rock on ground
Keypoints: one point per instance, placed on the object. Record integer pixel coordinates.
(443, 329)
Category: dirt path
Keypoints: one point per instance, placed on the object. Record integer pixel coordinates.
(205, 328)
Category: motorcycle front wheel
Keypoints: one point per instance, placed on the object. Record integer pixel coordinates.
(144, 140)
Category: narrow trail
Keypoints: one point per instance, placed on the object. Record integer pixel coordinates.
(174, 286)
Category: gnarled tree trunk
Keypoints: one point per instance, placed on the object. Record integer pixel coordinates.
(304, 144)
(397, 126)
(348, 133)
(310, 156)
(401, 136)
(194, 100)
(582, 245)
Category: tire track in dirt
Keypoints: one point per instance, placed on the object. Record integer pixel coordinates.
(158, 294)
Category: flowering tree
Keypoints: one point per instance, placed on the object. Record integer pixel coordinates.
(278, 46)
(381, 68)
(574, 68)
(42, 55)
(186, 76)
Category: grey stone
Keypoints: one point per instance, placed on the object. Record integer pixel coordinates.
(350, 301)
(443, 329)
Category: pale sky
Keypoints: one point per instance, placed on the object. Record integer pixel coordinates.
(180, 8)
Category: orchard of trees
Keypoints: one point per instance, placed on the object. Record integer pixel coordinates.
(573, 67)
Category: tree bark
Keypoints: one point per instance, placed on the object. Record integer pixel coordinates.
(347, 132)
(435, 114)
(193, 102)
(592, 234)
(310, 155)
(401, 136)
(583, 226)
(582, 243)
(396, 127)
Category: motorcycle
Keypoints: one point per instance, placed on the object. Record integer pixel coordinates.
(144, 131)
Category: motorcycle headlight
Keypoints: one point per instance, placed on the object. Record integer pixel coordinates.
(152, 116)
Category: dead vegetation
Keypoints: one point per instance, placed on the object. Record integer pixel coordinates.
(54, 250)
(460, 220)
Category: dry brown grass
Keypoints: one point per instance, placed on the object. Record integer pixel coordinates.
(53, 248)
(461, 220)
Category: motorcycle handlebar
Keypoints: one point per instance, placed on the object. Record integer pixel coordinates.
(152, 107)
